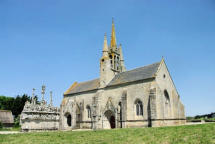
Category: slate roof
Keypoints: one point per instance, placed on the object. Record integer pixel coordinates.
(141, 73)
(85, 86)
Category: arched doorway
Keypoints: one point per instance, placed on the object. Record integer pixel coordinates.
(111, 118)
(68, 119)
(112, 122)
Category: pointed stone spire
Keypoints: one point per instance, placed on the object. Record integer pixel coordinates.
(51, 101)
(121, 59)
(106, 73)
(105, 47)
(113, 36)
(120, 52)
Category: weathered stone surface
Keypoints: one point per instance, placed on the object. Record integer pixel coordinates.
(36, 117)
(113, 98)
(6, 118)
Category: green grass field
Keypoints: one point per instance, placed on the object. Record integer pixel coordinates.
(191, 134)
(10, 129)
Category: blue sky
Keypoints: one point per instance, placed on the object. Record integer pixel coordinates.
(56, 42)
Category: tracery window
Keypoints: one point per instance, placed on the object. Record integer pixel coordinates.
(88, 112)
(139, 108)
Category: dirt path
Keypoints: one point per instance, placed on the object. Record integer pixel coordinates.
(9, 132)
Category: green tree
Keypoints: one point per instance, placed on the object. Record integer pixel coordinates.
(14, 104)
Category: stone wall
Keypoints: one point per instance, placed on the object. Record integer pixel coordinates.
(159, 97)
(104, 100)
(169, 111)
(6, 118)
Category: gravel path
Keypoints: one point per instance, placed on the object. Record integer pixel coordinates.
(9, 132)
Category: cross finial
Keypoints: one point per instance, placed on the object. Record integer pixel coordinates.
(33, 90)
(33, 97)
(113, 36)
(51, 102)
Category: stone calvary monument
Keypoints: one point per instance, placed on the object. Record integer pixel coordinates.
(42, 116)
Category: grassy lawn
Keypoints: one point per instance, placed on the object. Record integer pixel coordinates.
(191, 134)
(10, 129)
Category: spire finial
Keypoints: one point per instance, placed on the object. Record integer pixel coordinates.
(105, 47)
(162, 59)
(122, 65)
(113, 36)
(105, 36)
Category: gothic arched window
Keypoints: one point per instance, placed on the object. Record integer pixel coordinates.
(167, 112)
(88, 112)
(167, 100)
(139, 107)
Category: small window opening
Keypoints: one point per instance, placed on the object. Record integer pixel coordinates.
(88, 112)
(139, 108)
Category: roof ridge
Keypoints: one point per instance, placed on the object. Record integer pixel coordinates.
(140, 67)
(88, 81)
(135, 74)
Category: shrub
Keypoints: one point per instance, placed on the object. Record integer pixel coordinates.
(1, 126)
(194, 120)
(16, 121)
(209, 120)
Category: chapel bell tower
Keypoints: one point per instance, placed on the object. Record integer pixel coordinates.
(112, 61)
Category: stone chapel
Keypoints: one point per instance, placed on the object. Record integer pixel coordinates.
(120, 98)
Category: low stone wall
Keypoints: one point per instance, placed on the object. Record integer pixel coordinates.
(168, 122)
(86, 125)
(154, 123)
(136, 124)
